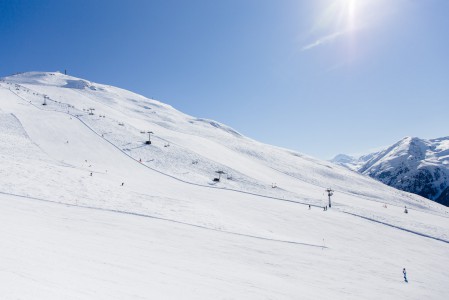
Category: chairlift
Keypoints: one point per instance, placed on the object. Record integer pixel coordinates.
(219, 175)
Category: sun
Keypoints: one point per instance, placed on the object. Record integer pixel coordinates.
(344, 13)
(357, 14)
(346, 19)
(351, 12)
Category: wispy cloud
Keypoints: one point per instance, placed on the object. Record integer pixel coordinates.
(323, 40)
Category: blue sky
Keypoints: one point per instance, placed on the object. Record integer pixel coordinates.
(321, 77)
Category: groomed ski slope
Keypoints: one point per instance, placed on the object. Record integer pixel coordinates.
(54, 251)
(170, 232)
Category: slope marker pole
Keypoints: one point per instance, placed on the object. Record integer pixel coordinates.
(330, 192)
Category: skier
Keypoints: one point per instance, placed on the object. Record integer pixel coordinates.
(405, 210)
(309, 207)
(90, 173)
(405, 274)
(123, 183)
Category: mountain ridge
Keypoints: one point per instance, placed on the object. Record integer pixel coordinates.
(415, 165)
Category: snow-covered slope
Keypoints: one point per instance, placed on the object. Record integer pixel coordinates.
(89, 211)
(414, 165)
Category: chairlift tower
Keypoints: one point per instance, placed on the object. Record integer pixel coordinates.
(149, 137)
(219, 175)
(330, 192)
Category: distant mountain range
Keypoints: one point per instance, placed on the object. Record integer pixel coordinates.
(414, 165)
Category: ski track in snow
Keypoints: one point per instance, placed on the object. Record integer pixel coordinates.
(397, 227)
(167, 220)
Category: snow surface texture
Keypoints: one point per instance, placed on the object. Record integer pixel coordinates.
(89, 211)
(414, 165)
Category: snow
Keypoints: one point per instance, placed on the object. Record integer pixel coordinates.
(170, 232)
(412, 164)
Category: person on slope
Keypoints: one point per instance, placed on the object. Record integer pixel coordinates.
(405, 274)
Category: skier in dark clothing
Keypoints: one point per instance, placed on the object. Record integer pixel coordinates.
(405, 274)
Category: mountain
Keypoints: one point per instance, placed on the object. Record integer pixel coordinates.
(90, 210)
(414, 165)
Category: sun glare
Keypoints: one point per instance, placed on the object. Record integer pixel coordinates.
(348, 15)
(338, 19)
(344, 14)
(351, 14)
(361, 13)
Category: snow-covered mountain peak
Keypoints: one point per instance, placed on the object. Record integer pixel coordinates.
(412, 164)
(60, 80)
(42, 78)
(342, 158)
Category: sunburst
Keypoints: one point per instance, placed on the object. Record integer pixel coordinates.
(340, 18)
